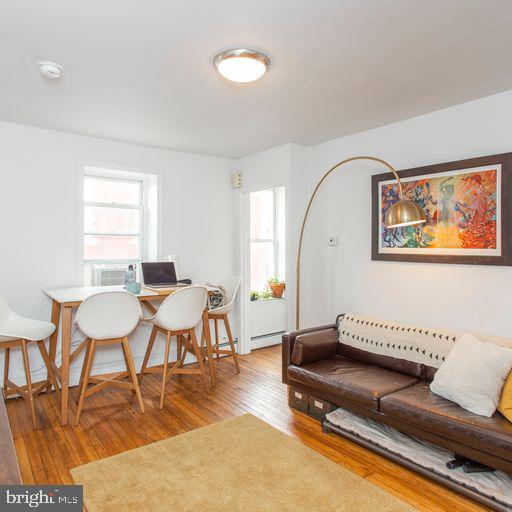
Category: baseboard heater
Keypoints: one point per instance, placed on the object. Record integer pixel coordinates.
(493, 490)
(269, 335)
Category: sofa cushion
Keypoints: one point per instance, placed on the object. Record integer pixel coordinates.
(314, 346)
(391, 363)
(417, 405)
(473, 375)
(288, 341)
(352, 380)
(505, 405)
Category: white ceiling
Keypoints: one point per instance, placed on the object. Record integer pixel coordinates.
(140, 71)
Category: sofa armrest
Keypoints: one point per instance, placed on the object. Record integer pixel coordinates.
(314, 346)
(289, 342)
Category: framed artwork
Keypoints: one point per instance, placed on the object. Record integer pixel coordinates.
(468, 208)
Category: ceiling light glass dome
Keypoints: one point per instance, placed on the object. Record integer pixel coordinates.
(241, 64)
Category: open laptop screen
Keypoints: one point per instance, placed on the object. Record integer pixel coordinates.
(159, 273)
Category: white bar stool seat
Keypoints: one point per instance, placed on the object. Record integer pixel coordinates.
(108, 318)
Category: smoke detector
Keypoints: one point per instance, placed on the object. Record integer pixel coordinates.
(49, 69)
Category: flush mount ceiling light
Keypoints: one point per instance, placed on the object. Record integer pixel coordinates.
(50, 69)
(241, 64)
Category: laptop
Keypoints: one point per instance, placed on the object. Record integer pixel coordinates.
(159, 274)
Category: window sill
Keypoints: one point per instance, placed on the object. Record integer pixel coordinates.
(267, 302)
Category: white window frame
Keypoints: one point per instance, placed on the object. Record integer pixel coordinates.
(150, 227)
(140, 207)
(275, 239)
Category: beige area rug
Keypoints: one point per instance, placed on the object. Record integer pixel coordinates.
(242, 464)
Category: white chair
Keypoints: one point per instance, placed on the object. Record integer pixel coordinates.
(178, 315)
(18, 331)
(231, 285)
(105, 319)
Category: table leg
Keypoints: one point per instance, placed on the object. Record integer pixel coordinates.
(149, 307)
(208, 341)
(64, 369)
(52, 349)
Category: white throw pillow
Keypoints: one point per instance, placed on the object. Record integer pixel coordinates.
(473, 375)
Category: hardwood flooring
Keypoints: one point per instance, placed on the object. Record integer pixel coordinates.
(111, 423)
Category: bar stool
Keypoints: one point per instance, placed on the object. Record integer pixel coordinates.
(231, 285)
(178, 315)
(18, 331)
(108, 318)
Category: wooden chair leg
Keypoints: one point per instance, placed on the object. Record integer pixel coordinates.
(86, 372)
(179, 350)
(51, 374)
(149, 348)
(207, 354)
(184, 351)
(231, 342)
(131, 370)
(30, 395)
(82, 373)
(217, 343)
(197, 353)
(126, 364)
(166, 364)
(6, 368)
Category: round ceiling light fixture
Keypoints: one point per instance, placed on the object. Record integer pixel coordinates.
(50, 69)
(241, 64)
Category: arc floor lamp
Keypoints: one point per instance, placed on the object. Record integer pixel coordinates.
(403, 213)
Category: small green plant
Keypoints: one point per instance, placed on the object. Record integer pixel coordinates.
(273, 280)
(266, 293)
(254, 295)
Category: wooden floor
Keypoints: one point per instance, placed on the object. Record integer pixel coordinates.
(111, 424)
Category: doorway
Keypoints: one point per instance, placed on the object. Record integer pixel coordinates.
(266, 246)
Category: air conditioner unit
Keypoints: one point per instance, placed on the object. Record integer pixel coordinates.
(108, 275)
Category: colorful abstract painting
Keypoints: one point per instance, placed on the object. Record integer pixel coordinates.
(462, 208)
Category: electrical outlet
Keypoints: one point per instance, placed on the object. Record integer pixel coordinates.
(332, 240)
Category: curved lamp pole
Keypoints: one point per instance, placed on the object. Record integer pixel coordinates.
(403, 213)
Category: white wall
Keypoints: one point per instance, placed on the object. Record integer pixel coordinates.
(344, 278)
(40, 172)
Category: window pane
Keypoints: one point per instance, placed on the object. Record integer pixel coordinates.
(98, 190)
(99, 219)
(109, 247)
(262, 214)
(262, 264)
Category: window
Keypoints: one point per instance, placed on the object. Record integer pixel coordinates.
(116, 231)
(267, 237)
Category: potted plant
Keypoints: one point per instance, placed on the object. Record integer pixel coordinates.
(254, 295)
(277, 287)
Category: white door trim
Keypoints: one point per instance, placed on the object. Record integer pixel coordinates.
(244, 264)
(242, 203)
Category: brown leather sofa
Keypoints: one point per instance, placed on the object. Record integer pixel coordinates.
(393, 391)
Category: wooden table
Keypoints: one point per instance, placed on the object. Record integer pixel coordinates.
(63, 302)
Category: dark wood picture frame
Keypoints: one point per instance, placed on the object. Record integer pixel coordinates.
(505, 159)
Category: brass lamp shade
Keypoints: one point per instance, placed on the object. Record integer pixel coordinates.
(404, 213)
